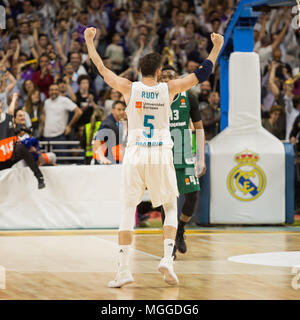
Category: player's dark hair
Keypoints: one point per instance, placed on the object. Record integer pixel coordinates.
(150, 63)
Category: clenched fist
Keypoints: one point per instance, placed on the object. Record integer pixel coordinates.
(89, 33)
(217, 39)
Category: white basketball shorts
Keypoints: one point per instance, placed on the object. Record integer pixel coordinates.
(151, 168)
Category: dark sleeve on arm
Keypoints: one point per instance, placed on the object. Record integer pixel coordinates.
(195, 113)
(204, 71)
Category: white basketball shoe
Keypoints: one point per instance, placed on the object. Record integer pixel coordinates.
(166, 268)
(123, 278)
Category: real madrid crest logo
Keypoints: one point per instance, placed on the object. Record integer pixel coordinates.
(246, 181)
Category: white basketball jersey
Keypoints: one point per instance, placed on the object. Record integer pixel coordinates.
(148, 113)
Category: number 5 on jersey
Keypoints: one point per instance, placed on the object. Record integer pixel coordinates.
(149, 125)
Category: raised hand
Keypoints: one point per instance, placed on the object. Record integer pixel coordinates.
(90, 33)
(15, 96)
(217, 39)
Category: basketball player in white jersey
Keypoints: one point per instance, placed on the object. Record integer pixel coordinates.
(148, 160)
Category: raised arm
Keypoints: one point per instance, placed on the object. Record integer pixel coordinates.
(118, 83)
(202, 73)
(272, 84)
(13, 103)
(12, 81)
(281, 35)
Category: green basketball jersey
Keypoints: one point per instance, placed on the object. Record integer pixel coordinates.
(180, 132)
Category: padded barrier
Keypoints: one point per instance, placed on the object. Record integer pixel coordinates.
(74, 197)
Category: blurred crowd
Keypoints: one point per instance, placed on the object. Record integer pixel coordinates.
(61, 96)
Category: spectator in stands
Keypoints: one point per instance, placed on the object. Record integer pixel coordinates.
(115, 53)
(178, 29)
(41, 40)
(202, 48)
(75, 44)
(204, 94)
(76, 62)
(265, 46)
(69, 72)
(107, 147)
(89, 132)
(26, 39)
(28, 11)
(283, 70)
(5, 86)
(85, 100)
(34, 108)
(65, 89)
(211, 116)
(109, 99)
(46, 11)
(190, 67)
(122, 24)
(96, 15)
(44, 77)
(56, 61)
(22, 118)
(12, 51)
(55, 126)
(275, 85)
(61, 34)
(27, 87)
(11, 151)
(272, 123)
(133, 39)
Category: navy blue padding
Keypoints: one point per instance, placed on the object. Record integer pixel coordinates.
(289, 183)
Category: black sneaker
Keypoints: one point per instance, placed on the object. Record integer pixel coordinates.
(180, 243)
(41, 183)
(174, 253)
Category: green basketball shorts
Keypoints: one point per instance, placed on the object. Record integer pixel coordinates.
(187, 180)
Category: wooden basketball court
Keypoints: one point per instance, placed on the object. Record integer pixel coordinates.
(79, 264)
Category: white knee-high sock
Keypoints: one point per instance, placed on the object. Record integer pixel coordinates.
(123, 256)
(168, 248)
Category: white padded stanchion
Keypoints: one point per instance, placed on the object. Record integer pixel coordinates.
(247, 162)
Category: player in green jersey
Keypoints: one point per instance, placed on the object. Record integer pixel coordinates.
(185, 108)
